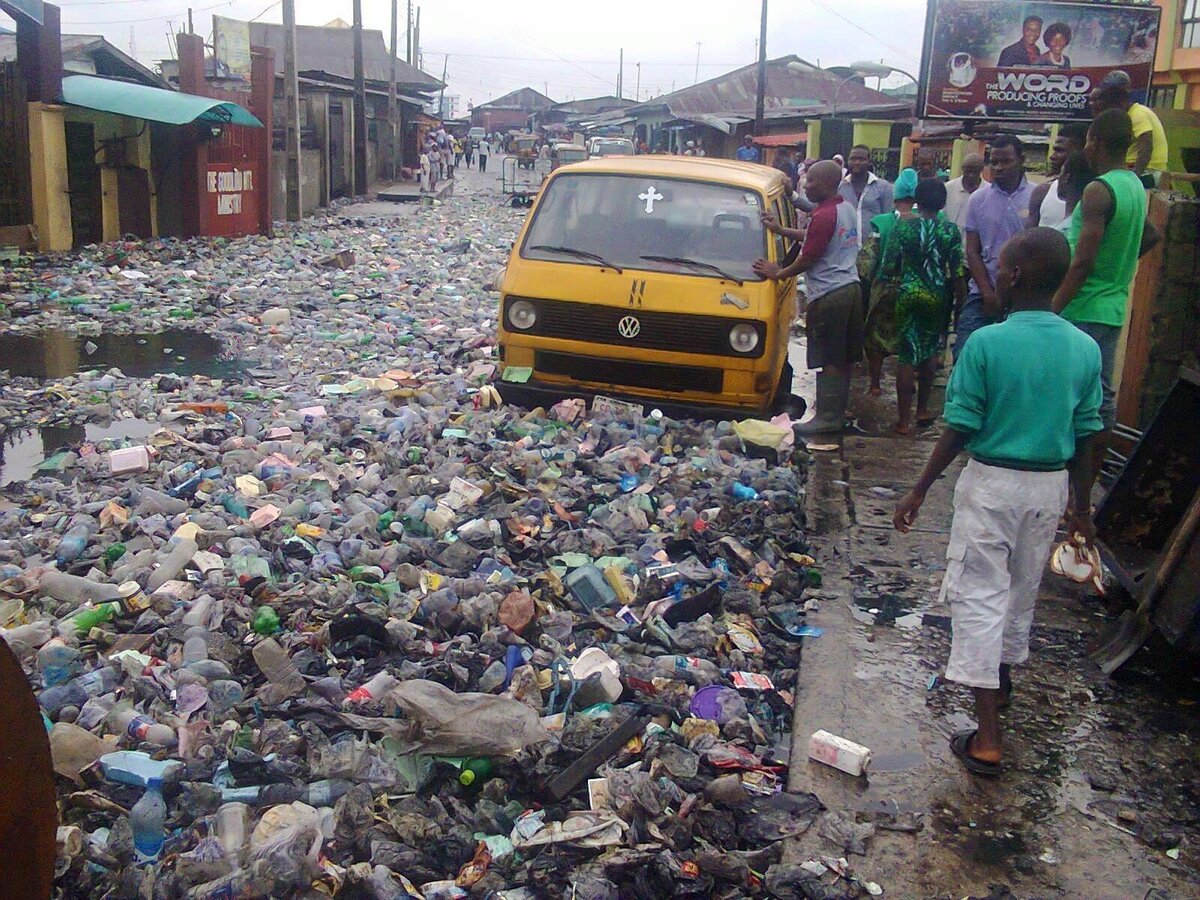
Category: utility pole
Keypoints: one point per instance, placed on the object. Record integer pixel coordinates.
(637, 92)
(442, 95)
(390, 168)
(360, 107)
(291, 103)
(696, 80)
(621, 75)
(191, 30)
(760, 100)
(417, 61)
(408, 57)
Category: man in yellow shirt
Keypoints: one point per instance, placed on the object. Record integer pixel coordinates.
(1147, 155)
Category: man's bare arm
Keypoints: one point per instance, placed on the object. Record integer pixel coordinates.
(1035, 203)
(1145, 146)
(1151, 238)
(949, 445)
(979, 272)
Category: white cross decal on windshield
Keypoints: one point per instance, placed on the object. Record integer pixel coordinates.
(650, 196)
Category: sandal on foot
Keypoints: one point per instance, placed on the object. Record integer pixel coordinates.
(927, 421)
(959, 742)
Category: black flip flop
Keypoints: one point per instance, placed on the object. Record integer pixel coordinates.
(959, 742)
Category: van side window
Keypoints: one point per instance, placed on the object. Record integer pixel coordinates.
(781, 211)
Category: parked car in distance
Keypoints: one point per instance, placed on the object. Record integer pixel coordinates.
(602, 146)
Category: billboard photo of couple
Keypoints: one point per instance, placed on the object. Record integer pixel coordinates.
(1037, 61)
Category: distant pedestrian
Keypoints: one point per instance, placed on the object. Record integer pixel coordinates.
(834, 323)
(748, 152)
(469, 152)
(1045, 206)
(1147, 153)
(426, 171)
(995, 213)
(1023, 401)
(448, 159)
(881, 288)
(458, 152)
(959, 191)
(485, 149)
(1108, 234)
(925, 251)
(868, 194)
(841, 161)
(784, 163)
(925, 162)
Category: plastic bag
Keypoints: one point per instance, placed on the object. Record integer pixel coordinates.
(448, 724)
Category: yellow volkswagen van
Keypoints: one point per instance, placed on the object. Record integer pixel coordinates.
(632, 278)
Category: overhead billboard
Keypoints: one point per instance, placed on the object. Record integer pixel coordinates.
(1030, 61)
(231, 45)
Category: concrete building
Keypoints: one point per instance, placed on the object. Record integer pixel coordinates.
(1175, 94)
(96, 146)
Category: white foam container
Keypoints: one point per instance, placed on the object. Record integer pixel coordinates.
(128, 460)
(849, 757)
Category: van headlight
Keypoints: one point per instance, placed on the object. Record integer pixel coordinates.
(522, 315)
(743, 338)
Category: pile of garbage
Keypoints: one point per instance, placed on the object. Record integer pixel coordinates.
(353, 628)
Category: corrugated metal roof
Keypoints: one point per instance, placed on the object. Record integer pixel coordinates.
(808, 91)
(526, 99)
(331, 50)
(108, 59)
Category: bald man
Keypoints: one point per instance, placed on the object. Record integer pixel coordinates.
(959, 191)
(834, 321)
(1024, 402)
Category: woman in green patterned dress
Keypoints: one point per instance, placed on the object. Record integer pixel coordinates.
(925, 253)
(881, 337)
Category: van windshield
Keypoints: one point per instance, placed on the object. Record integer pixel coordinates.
(614, 148)
(625, 218)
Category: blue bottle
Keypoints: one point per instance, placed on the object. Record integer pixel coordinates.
(148, 818)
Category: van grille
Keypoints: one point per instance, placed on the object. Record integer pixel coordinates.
(658, 330)
(628, 373)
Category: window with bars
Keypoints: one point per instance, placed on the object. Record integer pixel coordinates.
(1162, 97)
(1189, 32)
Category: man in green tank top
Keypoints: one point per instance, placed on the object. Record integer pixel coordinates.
(1108, 234)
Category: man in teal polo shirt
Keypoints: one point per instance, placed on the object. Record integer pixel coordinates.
(1024, 402)
(1108, 234)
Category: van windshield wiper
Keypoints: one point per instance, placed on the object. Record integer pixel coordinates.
(685, 261)
(582, 254)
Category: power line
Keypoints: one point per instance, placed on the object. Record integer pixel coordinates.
(855, 25)
(598, 62)
(149, 18)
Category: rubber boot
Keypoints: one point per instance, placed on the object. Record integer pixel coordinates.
(833, 394)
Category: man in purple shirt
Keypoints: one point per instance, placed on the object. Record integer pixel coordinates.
(995, 213)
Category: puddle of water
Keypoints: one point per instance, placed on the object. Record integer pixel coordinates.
(54, 353)
(896, 762)
(22, 451)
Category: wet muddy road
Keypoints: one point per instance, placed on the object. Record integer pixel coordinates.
(1100, 794)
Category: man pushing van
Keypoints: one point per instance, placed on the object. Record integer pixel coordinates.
(834, 322)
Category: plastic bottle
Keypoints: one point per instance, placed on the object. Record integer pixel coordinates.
(493, 676)
(77, 691)
(195, 645)
(474, 772)
(57, 662)
(148, 818)
(199, 611)
(224, 694)
(72, 545)
(142, 728)
(74, 589)
(326, 791)
(84, 620)
(374, 689)
(281, 672)
(172, 564)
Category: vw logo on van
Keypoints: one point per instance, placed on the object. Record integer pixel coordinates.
(629, 327)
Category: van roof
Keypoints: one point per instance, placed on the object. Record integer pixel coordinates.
(725, 171)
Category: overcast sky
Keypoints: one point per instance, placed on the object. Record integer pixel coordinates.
(568, 49)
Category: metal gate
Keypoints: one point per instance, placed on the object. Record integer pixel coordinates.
(234, 186)
(16, 194)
